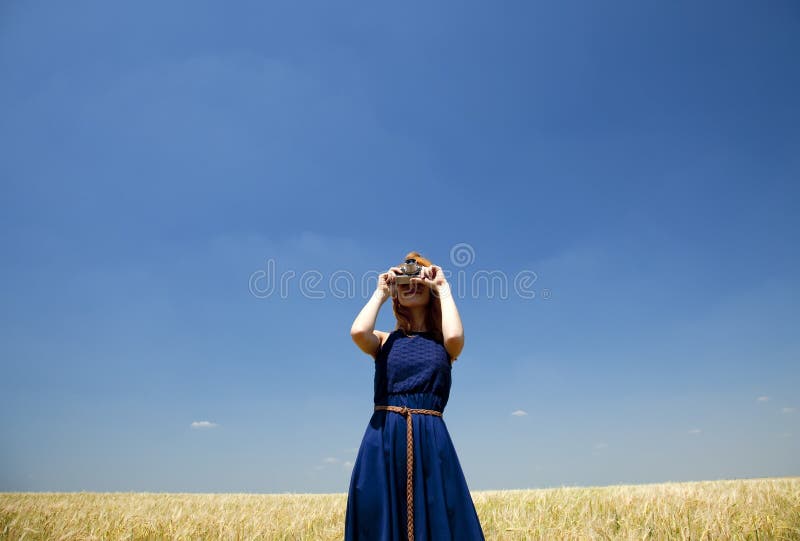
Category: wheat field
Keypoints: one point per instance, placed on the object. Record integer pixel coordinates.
(755, 509)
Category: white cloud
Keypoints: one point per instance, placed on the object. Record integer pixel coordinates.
(330, 460)
(695, 431)
(762, 399)
(203, 424)
(600, 445)
(788, 410)
(519, 413)
(347, 464)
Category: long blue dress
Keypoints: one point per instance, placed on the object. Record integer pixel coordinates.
(414, 371)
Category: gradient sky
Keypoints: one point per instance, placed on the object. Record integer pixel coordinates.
(641, 158)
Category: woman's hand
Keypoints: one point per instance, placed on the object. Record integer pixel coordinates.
(386, 282)
(432, 276)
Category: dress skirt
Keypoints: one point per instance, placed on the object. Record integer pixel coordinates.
(376, 502)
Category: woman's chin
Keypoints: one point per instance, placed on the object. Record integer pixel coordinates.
(413, 300)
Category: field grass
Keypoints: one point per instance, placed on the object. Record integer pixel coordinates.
(755, 509)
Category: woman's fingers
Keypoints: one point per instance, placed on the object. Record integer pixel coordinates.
(393, 272)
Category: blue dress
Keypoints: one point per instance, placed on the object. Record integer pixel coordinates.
(414, 371)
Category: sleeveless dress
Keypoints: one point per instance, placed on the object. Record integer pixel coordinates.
(411, 370)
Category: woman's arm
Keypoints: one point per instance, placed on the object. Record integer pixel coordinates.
(452, 330)
(362, 331)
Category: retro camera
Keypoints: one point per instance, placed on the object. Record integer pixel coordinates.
(411, 269)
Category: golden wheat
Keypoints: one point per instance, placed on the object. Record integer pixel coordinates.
(745, 509)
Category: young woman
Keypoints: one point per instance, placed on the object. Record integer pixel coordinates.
(407, 482)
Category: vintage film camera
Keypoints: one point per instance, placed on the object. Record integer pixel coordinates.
(410, 270)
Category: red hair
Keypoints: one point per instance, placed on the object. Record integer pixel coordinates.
(433, 315)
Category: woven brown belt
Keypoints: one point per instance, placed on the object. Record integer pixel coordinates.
(407, 413)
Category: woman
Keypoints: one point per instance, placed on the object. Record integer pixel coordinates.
(407, 433)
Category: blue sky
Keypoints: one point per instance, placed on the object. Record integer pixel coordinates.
(641, 158)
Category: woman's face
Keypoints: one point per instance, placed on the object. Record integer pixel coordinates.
(413, 294)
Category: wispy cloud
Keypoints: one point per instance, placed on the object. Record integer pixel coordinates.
(329, 461)
(695, 431)
(788, 410)
(519, 413)
(762, 399)
(203, 424)
(600, 445)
